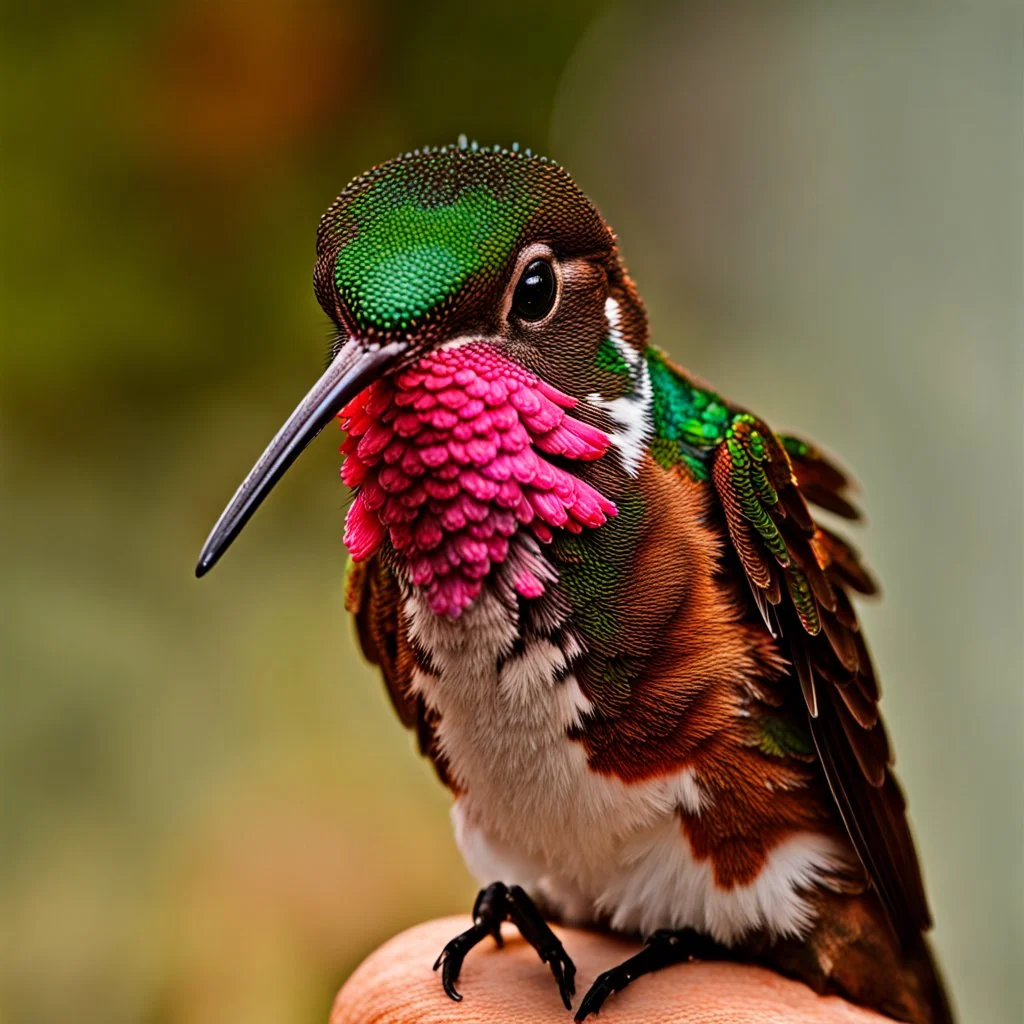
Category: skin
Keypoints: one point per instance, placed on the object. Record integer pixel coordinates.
(395, 985)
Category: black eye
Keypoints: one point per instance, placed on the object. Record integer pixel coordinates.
(535, 294)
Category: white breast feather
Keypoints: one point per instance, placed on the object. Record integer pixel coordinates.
(533, 813)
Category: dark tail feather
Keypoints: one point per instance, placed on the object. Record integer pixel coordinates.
(922, 962)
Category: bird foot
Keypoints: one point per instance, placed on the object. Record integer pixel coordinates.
(495, 904)
(662, 949)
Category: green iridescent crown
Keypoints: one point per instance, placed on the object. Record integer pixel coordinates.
(407, 239)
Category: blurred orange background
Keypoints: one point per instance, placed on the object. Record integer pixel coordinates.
(209, 812)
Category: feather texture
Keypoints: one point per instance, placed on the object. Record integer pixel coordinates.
(758, 477)
(373, 597)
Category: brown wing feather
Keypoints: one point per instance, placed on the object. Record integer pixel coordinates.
(373, 597)
(822, 482)
(764, 483)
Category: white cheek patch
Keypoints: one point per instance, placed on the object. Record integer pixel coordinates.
(631, 412)
(612, 314)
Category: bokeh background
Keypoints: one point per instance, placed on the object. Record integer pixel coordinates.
(208, 811)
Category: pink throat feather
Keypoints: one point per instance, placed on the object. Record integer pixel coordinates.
(446, 458)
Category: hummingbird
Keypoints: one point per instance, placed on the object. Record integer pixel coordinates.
(598, 594)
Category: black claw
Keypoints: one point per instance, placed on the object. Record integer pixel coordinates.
(604, 985)
(448, 984)
(450, 972)
(452, 956)
(564, 971)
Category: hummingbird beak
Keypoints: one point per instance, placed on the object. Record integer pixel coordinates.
(351, 370)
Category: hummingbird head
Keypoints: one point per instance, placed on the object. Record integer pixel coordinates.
(484, 319)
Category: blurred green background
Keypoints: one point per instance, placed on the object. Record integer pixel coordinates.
(209, 813)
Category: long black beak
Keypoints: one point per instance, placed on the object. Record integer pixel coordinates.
(351, 370)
